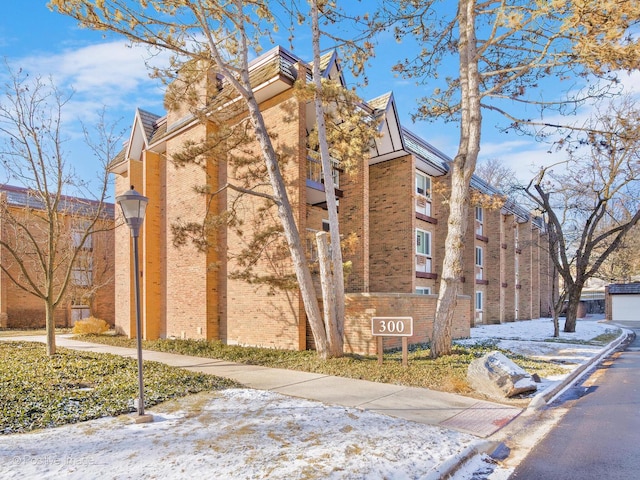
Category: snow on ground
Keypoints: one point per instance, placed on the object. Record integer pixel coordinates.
(237, 434)
(534, 338)
(541, 329)
(250, 434)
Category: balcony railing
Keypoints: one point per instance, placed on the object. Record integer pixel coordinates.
(423, 205)
(314, 169)
(423, 264)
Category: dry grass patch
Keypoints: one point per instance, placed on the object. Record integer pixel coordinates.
(447, 373)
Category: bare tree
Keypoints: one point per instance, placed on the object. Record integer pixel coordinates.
(497, 174)
(44, 233)
(623, 265)
(591, 201)
(504, 49)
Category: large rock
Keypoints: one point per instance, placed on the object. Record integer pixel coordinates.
(496, 376)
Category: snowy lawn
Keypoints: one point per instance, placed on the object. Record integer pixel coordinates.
(534, 339)
(236, 433)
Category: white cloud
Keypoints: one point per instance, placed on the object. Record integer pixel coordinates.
(110, 65)
(111, 74)
(631, 82)
(498, 149)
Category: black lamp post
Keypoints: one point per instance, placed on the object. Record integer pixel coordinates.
(133, 207)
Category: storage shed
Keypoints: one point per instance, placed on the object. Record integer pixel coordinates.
(623, 302)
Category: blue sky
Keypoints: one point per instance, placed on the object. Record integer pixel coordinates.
(104, 71)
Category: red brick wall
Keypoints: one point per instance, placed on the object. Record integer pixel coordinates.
(392, 219)
(546, 278)
(125, 320)
(360, 308)
(508, 268)
(186, 279)
(354, 223)
(19, 309)
(535, 272)
(492, 226)
(526, 247)
(258, 314)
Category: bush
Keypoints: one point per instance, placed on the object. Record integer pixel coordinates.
(90, 326)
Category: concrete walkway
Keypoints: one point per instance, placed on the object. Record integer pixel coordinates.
(456, 412)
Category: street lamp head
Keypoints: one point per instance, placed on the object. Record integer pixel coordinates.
(133, 207)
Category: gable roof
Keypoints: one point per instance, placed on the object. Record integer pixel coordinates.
(624, 289)
(145, 130)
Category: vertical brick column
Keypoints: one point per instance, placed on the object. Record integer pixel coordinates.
(440, 211)
(152, 250)
(492, 265)
(535, 272)
(392, 230)
(469, 286)
(354, 220)
(186, 276)
(546, 277)
(124, 293)
(526, 270)
(508, 284)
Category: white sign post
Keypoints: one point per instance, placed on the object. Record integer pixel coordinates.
(393, 327)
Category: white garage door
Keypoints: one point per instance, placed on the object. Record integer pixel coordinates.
(625, 308)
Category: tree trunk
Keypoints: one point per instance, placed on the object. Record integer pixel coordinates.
(462, 169)
(334, 336)
(335, 279)
(557, 300)
(451, 266)
(50, 323)
(574, 292)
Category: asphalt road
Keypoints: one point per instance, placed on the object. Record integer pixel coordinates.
(599, 436)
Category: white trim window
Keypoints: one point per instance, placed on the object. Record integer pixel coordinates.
(77, 232)
(479, 307)
(479, 301)
(479, 263)
(423, 251)
(479, 221)
(423, 290)
(82, 273)
(423, 193)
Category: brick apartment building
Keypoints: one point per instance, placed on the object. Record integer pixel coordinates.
(91, 289)
(394, 204)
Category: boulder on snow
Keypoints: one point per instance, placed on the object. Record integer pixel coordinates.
(496, 376)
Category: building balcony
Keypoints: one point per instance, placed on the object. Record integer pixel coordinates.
(423, 268)
(315, 181)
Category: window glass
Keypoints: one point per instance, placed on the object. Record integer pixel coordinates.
(423, 242)
(423, 184)
(479, 256)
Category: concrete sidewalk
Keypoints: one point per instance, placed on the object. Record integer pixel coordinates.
(456, 412)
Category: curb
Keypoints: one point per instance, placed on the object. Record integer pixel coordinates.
(449, 467)
(547, 396)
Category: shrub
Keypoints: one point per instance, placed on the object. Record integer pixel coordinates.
(89, 326)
